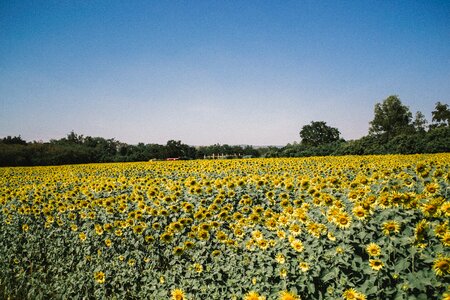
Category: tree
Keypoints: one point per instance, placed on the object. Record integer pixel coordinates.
(16, 140)
(391, 119)
(420, 122)
(318, 133)
(441, 115)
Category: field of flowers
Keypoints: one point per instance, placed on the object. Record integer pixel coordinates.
(368, 227)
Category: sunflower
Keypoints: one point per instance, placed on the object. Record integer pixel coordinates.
(285, 295)
(178, 294)
(98, 229)
(257, 235)
(238, 232)
(215, 253)
(445, 208)
(178, 251)
(131, 262)
(108, 243)
(156, 226)
(221, 236)
(166, 237)
(203, 235)
(138, 229)
(263, 244)
(197, 267)
(280, 258)
(82, 236)
(441, 229)
(295, 229)
(331, 236)
(350, 294)
(446, 239)
(430, 208)
(189, 245)
(316, 229)
(99, 277)
(304, 266)
(343, 220)
(376, 264)
(390, 227)
(359, 212)
(441, 266)
(421, 230)
(360, 296)
(373, 249)
(432, 188)
(297, 245)
(252, 295)
(281, 234)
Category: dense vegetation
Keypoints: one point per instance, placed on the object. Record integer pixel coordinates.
(392, 131)
(349, 227)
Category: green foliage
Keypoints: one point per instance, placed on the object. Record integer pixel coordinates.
(441, 115)
(391, 118)
(47, 259)
(318, 133)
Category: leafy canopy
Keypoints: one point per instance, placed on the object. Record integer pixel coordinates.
(391, 118)
(318, 133)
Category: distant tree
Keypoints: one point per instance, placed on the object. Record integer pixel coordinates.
(420, 122)
(441, 115)
(16, 140)
(178, 149)
(391, 119)
(318, 133)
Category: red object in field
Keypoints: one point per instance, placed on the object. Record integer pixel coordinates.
(173, 158)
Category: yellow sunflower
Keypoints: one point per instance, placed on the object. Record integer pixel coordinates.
(359, 212)
(376, 264)
(350, 294)
(441, 266)
(99, 277)
(285, 295)
(446, 239)
(390, 227)
(297, 245)
(178, 294)
(304, 266)
(343, 220)
(252, 295)
(373, 249)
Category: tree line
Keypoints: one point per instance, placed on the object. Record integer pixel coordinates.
(79, 149)
(392, 130)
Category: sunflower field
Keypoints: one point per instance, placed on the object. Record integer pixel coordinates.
(350, 227)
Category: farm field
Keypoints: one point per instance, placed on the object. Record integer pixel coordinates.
(350, 227)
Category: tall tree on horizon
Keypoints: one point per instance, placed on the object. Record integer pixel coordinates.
(391, 118)
(318, 133)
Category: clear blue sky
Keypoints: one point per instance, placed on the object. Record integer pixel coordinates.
(205, 72)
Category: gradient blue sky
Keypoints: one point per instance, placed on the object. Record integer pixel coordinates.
(205, 72)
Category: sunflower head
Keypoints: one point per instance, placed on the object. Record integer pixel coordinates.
(441, 266)
(99, 277)
(252, 295)
(178, 294)
(373, 249)
(285, 295)
(376, 264)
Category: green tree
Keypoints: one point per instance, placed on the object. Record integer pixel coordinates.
(318, 133)
(391, 119)
(441, 115)
(420, 122)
